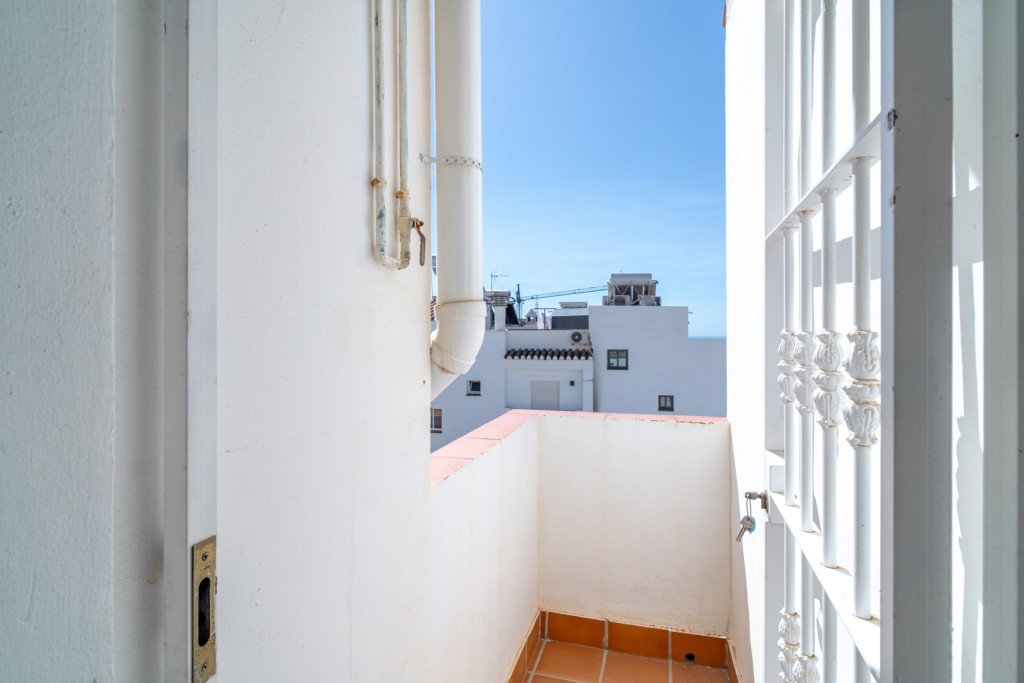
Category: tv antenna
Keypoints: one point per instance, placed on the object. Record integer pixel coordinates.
(495, 276)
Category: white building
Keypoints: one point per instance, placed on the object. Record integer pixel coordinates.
(198, 338)
(631, 355)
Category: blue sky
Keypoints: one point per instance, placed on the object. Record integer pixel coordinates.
(604, 148)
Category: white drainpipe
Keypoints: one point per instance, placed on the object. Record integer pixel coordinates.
(460, 310)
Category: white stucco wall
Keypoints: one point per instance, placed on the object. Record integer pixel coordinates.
(574, 378)
(462, 413)
(80, 328)
(323, 381)
(662, 360)
(479, 592)
(745, 321)
(57, 295)
(633, 520)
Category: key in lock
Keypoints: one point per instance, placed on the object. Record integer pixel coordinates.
(747, 525)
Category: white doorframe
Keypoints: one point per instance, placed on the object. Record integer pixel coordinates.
(190, 310)
(1002, 173)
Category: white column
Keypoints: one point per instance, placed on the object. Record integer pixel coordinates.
(1003, 117)
(789, 624)
(862, 414)
(829, 352)
(916, 467)
(789, 114)
(806, 669)
(806, 94)
(787, 363)
(861, 64)
(829, 643)
(829, 378)
(805, 373)
(828, 84)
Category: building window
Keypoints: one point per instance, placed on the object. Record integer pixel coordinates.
(618, 359)
(472, 387)
(666, 403)
(435, 420)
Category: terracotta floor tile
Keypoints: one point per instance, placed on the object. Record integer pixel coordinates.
(707, 650)
(568, 628)
(570, 662)
(622, 668)
(638, 640)
(545, 679)
(692, 673)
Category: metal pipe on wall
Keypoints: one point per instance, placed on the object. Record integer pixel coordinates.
(405, 221)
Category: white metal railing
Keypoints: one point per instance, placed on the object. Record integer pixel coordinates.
(813, 375)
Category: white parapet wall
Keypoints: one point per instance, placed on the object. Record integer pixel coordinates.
(633, 519)
(623, 517)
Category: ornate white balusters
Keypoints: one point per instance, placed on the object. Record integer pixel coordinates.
(828, 401)
(789, 645)
(829, 378)
(789, 626)
(805, 373)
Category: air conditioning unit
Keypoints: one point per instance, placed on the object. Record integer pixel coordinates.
(649, 300)
(620, 300)
(580, 338)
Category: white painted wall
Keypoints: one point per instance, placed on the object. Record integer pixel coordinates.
(662, 360)
(633, 520)
(745, 321)
(462, 413)
(571, 375)
(479, 593)
(505, 383)
(608, 516)
(81, 308)
(968, 340)
(323, 371)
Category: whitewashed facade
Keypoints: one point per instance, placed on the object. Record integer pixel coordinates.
(666, 370)
(196, 338)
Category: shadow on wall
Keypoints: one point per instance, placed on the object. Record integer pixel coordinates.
(740, 630)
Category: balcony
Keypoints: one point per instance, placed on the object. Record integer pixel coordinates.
(624, 520)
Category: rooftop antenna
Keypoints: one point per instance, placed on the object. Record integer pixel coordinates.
(495, 276)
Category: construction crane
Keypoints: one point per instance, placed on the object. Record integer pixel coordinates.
(549, 295)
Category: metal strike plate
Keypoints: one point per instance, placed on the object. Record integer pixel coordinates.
(204, 601)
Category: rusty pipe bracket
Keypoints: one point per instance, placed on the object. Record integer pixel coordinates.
(417, 224)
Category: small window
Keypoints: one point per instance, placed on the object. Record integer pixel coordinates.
(618, 359)
(666, 403)
(472, 387)
(435, 420)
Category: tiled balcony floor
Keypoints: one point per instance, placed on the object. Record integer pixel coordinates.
(562, 662)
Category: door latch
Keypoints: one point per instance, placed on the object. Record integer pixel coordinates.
(204, 602)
